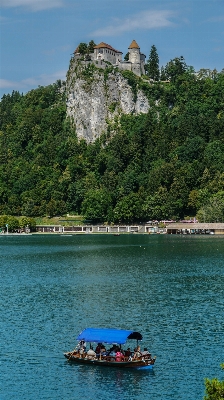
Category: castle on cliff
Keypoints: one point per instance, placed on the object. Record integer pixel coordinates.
(103, 52)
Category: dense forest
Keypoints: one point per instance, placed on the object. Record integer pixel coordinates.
(167, 164)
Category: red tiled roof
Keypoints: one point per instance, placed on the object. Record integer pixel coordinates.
(106, 46)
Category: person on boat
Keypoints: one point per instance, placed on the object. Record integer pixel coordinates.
(103, 351)
(113, 348)
(98, 348)
(146, 353)
(91, 354)
(127, 352)
(81, 346)
(137, 353)
(113, 353)
(119, 356)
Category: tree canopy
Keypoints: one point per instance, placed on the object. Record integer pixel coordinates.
(85, 49)
(214, 388)
(166, 164)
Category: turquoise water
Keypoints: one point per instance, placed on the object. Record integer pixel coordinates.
(171, 288)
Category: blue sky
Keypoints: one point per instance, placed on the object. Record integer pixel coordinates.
(37, 37)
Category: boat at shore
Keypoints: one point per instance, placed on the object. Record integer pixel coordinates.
(117, 357)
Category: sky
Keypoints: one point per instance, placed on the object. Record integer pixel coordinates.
(38, 37)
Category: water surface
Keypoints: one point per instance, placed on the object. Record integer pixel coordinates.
(168, 287)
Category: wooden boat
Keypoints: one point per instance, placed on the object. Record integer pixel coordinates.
(116, 337)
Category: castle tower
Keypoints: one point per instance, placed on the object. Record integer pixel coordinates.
(134, 52)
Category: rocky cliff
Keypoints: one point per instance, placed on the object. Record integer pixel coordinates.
(97, 96)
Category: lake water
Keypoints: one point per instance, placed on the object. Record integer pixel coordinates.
(168, 287)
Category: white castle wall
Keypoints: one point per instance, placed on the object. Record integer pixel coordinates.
(107, 55)
(135, 64)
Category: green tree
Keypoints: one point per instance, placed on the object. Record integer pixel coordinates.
(213, 211)
(97, 205)
(152, 66)
(197, 199)
(126, 57)
(214, 155)
(214, 389)
(91, 46)
(128, 209)
(163, 76)
(3, 221)
(12, 222)
(27, 222)
(156, 206)
(83, 48)
(55, 207)
(175, 68)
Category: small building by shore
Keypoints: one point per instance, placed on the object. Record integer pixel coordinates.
(195, 228)
(171, 228)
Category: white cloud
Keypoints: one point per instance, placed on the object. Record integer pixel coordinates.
(143, 20)
(4, 83)
(32, 5)
(44, 79)
(31, 83)
(216, 19)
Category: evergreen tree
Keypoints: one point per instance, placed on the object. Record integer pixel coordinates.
(152, 67)
(91, 46)
(83, 48)
(126, 57)
(163, 76)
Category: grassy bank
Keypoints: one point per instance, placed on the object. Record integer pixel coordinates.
(73, 220)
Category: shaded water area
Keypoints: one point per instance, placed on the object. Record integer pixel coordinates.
(168, 287)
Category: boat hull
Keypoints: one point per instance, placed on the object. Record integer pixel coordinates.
(137, 364)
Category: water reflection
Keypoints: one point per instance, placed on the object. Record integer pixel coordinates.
(124, 383)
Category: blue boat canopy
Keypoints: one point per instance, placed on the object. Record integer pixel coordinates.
(118, 336)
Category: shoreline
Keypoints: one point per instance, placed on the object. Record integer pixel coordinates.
(117, 230)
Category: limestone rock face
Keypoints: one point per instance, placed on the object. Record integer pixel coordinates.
(142, 104)
(95, 99)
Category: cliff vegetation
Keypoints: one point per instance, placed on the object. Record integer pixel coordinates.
(166, 163)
